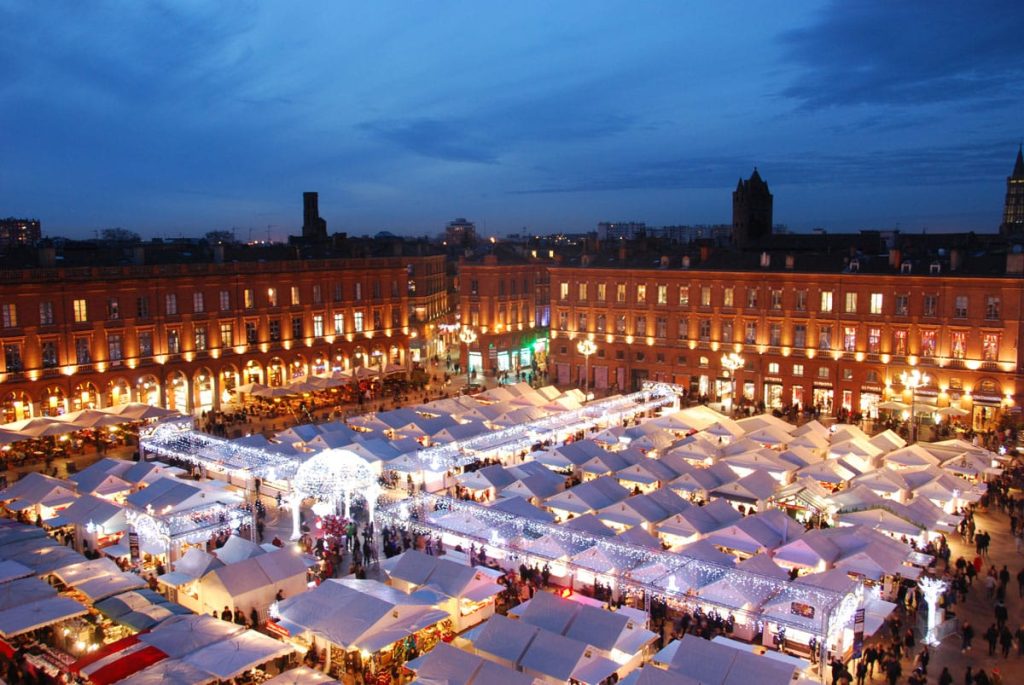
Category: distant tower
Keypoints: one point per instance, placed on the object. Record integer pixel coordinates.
(1013, 210)
(313, 227)
(460, 232)
(751, 211)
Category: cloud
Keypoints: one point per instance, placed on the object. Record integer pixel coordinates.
(910, 53)
(446, 140)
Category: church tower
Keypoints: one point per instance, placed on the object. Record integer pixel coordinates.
(1013, 209)
(751, 211)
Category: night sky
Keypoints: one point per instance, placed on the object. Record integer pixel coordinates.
(177, 118)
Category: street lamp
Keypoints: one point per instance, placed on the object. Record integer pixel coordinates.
(468, 336)
(914, 380)
(586, 347)
(732, 362)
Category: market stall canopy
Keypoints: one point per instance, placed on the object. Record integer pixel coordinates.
(23, 590)
(38, 427)
(233, 656)
(38, 614)
(712, 663)
(170, 672)
(12, 570)
(90, 418)
(182, 635)
(136, 411)
(301, 675)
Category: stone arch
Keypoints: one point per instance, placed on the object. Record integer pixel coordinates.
(16, 405)
(54, 401)
(320, 365)
(253, 372)
(204, 389)
(298, 366)
(147, 390)
(118, 391)
(176, 391)
(276, 372)
(85, 396)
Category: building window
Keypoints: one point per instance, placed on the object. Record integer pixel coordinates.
(847, 374)
(871, 377)
(114, 347)
(750, 333)
(46, 313)
(602, 292)
(199, 334)
(684, 329)
(826, 301)
(113, 309)
(684, 296)
(992, 307)
(357, 321)
(902, 305)
(727, 334)
(145, 344)
(318, 296)
(704, 330)
(798, 369)
(198, 303)
(824, 337)
(376, 290)
(775, 334)
(876, 303)
(927, 343)
(899, 341)
(776, 299)
(82, 353)
(931, 305)
(563, 291)
(752, 298)
(581, 292)
(251, 336)
(849, 338)
(227, 334)
(705, 296)
(10, 315)
(563, 320)
(171, 304)
(874, 340)
(296, 327)
(728, 297)
(339, 323)
(48, 350)
(773, 368)
(620, 324)
(602, 323)
(662, 294)
(80, 311)
(661, 327)
(12, 357)
(359, 291)
(275, 330)
(960, 307)
(271, 297)
(640, 326)
(225, 300)
(801, 301)
(823, 372)
(641, 294)
(620, 293)
(173, 342)
(296, 299)
(318, 325)
(800, 335)
(581, 321)
(990, 347)
(850, 303)
(958, 344)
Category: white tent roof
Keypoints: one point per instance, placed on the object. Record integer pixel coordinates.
(12, 570)
(237, 654)
(181, 635)
(169, 672)
(43, 612)
(237, 549)
(301, 675)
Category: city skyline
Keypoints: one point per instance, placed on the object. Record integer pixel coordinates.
(179, 120)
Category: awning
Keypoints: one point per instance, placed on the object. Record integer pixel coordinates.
(38, 614)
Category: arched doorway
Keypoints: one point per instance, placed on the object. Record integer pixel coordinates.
(177, 392)
(228, 382)
(54, 401)
(298, 367)
(118, 392)
(275, 372)
(16, 406)
(319, 367)
(85, 396)
(147, 390)
(203, 390)
(253, 372)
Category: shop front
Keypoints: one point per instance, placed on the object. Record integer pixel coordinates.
(773, 393)
(870, 397)
(822, 397)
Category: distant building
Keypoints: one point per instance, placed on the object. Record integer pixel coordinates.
(1013, 209)
(460, 232)
(313, 227)
(621, 230)
(14, 232)
(751, 211)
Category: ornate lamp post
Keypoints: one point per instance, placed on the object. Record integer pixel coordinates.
(468, 336)
(586, 347)
(913, 380)
(732, 362)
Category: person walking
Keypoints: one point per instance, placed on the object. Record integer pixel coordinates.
(992, 637)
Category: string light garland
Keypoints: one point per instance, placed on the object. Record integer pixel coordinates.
(423, 514)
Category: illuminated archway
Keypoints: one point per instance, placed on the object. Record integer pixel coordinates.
(85, 396)
(118, 392)
(297, 367)
(203, 390)
(275, 372)
(54, 401)
(253, 372)
(177, 392)
(17, 406)
(147, 390)
(319, 366)
(229, 380)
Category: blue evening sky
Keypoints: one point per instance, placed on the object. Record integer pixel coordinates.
(178, 117)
